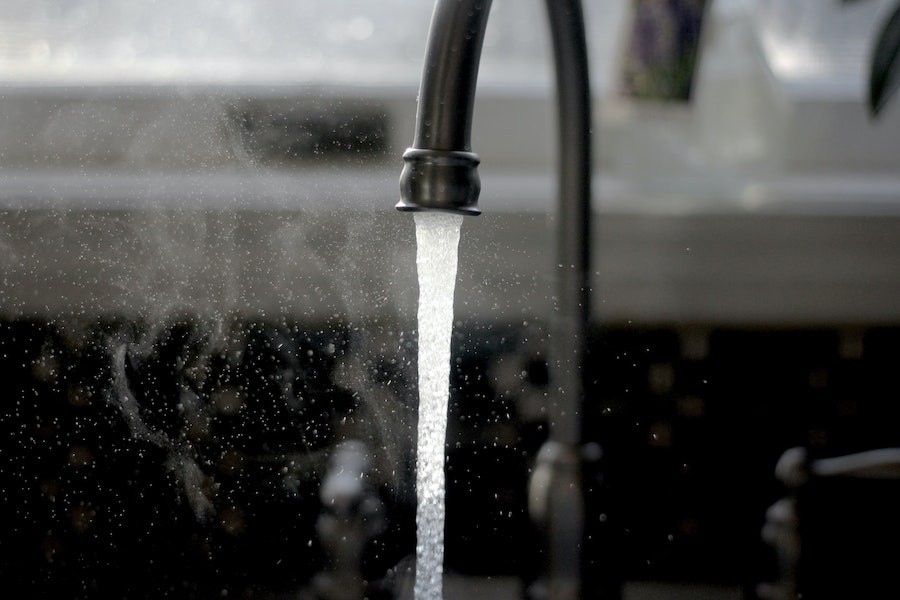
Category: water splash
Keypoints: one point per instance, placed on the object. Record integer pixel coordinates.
(437, 238)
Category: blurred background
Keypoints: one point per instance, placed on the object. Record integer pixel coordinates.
(207, 301)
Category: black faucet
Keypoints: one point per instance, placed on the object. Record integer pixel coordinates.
(440, 173)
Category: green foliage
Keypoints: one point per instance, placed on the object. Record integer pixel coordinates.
(884, 70)
(884, 76)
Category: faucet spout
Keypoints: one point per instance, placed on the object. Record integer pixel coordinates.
(440, 173)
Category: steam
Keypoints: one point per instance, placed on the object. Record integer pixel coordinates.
(181, 460)
(178, 234)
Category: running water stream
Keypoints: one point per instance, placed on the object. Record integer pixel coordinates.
(437, 239)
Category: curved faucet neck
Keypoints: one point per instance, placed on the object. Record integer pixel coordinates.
(450, 75)
(441, 171)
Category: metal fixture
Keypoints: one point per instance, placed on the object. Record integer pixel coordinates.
(440, 173)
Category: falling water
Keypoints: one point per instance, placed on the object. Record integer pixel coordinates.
(437, 238)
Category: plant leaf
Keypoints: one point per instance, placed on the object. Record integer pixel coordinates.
(884, 78)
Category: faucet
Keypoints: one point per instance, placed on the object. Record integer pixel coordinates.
(352, 515)
(441, 173)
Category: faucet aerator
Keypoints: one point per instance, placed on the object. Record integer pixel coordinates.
(444, 180)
